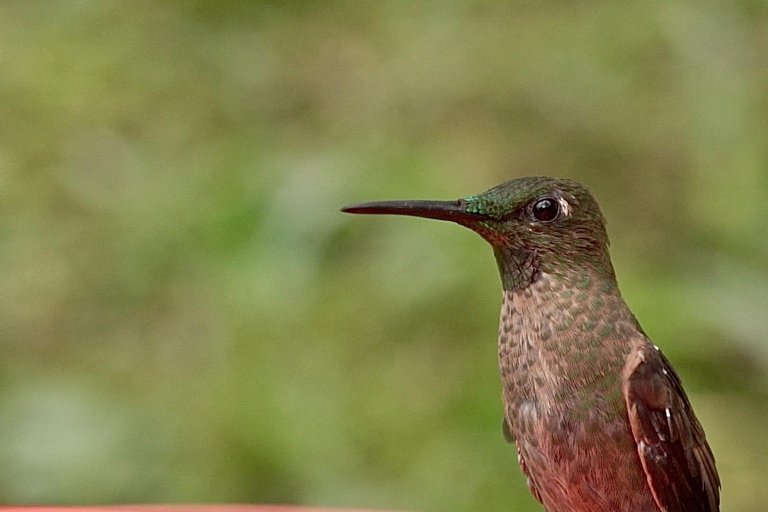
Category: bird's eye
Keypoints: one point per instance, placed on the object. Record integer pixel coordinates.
(545, 210)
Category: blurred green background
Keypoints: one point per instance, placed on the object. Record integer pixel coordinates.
(186, 316)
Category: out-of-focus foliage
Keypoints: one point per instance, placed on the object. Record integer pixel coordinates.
(185, 316)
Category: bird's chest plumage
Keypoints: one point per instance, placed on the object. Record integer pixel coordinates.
(561, 357)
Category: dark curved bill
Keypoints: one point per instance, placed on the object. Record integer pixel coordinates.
(442, 210)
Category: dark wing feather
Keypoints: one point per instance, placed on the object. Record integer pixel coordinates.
(678, 463)
(510, 438)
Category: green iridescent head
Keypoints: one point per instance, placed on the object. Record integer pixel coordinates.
(535, 224)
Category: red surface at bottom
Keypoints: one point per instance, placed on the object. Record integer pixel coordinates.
(182, 508)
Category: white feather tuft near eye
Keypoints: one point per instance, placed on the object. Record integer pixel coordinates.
(565, 207)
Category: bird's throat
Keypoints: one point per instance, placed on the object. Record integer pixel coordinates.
(518, 268)
(562, 334)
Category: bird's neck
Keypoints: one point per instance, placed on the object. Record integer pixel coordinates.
(520, 268)
(571, 327)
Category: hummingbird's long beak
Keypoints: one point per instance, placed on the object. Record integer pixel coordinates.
(455, 211)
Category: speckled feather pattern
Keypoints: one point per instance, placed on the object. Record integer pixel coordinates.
(563, 343)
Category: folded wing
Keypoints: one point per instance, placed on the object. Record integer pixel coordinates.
(678, 463)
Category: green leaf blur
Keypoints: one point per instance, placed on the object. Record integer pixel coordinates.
(185, 316)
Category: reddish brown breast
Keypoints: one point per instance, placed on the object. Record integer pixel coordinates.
(562, 348)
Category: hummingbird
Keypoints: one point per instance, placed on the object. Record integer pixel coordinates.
(599, 417)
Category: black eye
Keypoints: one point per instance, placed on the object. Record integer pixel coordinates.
(546, 210)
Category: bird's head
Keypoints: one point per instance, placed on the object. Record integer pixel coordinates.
(534, 224)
